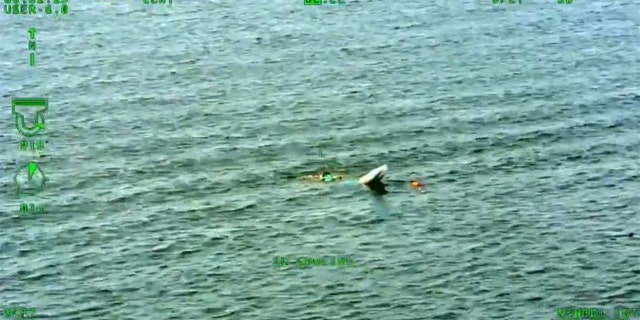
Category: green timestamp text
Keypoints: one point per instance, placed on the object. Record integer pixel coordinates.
(321, 2)
(306, 262)
(32, 145)
(508, 1)
(31, 208)
(157, 1)
(19, 313)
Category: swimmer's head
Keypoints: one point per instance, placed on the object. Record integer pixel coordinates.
(327, 177)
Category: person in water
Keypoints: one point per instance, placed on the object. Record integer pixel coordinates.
(325, 176)
(375, 184)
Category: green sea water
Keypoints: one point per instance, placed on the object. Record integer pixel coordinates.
(175, 136)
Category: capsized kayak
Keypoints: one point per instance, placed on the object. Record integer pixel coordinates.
(373, 180)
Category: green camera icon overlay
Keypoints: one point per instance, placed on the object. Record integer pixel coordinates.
(39, 121)
(32, 169)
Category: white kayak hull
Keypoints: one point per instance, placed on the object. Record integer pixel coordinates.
(379, 171)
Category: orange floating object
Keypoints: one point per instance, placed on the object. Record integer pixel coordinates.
(416, 184)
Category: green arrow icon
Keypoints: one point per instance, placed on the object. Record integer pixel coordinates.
(33, 167)
(34, 183)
